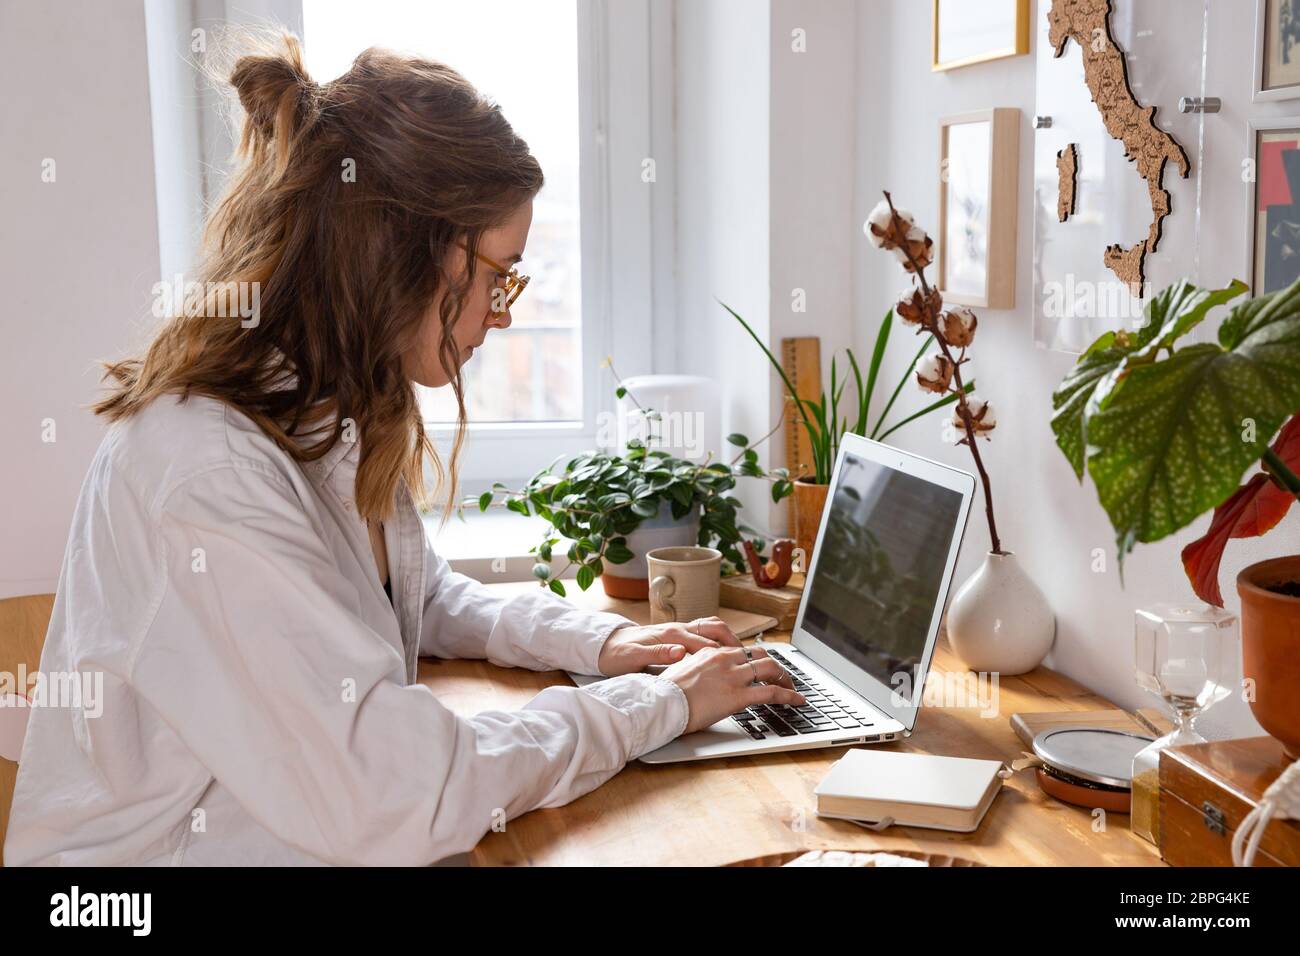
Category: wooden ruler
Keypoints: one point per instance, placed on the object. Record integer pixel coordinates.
(801, 361)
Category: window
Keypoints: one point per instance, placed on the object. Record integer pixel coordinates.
(523, 55)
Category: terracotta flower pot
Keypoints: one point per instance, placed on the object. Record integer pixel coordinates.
(809, 503)
(1270, 647)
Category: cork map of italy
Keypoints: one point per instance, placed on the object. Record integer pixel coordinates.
(1105, 70)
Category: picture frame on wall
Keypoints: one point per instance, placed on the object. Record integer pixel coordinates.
(965, 32)
(1277, 50)
(1273, 218)
(979, 159)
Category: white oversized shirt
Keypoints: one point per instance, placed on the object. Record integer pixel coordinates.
(259, 696)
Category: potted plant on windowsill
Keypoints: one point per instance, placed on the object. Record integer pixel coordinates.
(1166, 434)
(826, 427)
(613, 508)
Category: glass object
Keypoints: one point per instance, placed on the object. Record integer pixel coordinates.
(1186, 656)
(966, 206)
(523, 55)
(963, 33)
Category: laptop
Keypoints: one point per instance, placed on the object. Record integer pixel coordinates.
(869, 617)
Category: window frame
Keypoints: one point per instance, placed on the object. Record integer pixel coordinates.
(622, 223)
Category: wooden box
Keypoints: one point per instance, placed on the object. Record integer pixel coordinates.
(1206, 790)
(739, 591)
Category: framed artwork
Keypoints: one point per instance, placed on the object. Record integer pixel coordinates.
(1273, 219)
(979, 157)
(1277, 50)
(975, 31)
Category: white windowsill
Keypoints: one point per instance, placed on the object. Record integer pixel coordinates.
(491, 547)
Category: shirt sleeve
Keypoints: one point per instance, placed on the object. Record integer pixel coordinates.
(259, 660)
(466, 620)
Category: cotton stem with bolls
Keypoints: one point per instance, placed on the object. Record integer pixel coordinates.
(930, 325)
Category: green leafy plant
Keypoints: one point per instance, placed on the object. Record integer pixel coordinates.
(821, 419)
(1166, 433)
(598, 498)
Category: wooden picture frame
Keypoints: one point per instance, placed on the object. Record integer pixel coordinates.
(1017, 40)
(978, 203)
(1265, 36)
(1265, 174)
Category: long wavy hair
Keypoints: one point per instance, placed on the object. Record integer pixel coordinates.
(343, 208)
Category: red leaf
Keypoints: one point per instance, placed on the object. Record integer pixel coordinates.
(1287, 444)
(1252, 510)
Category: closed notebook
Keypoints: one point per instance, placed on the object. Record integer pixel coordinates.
(913, 790)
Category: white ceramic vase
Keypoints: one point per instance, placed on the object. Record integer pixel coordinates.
(999, 621)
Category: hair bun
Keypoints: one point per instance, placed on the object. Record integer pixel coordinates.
(274, 88)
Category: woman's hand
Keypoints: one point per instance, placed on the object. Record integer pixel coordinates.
(720, 681)
(632, 649)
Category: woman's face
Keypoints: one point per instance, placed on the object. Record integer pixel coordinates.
(504, 245)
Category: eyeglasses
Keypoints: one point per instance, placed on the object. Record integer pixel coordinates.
(515, 282)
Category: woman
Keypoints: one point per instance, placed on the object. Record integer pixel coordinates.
(247, 568)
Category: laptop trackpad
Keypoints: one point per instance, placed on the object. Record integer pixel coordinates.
(723, 739)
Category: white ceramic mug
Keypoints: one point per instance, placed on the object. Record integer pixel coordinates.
(684, 583)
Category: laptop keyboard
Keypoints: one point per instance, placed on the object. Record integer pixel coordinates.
(823, 711)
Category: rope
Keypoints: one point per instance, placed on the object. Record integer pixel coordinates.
(1281, 800)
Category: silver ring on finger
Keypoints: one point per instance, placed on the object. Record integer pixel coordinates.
(757, 679)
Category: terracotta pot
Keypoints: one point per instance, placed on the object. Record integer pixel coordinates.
(1270, 648)
(809, 503)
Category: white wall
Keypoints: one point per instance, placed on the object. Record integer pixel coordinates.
(1051, 522)
(724, 210)
(812, 169)
(764, 181)
(78, 256)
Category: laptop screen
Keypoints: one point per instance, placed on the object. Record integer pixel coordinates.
(879, 568)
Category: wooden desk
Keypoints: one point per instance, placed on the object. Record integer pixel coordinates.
(720, 811)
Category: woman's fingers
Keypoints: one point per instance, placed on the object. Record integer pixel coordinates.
(687, 638)
(771, 694)
(768, 671)
(714, 628)
(658, 653)
(630, 657)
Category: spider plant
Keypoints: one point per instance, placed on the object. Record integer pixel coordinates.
(822, 419)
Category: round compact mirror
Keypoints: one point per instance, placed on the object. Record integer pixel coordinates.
(1091, 754)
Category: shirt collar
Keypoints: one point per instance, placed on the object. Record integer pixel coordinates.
(343, 458)
(340, 463)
